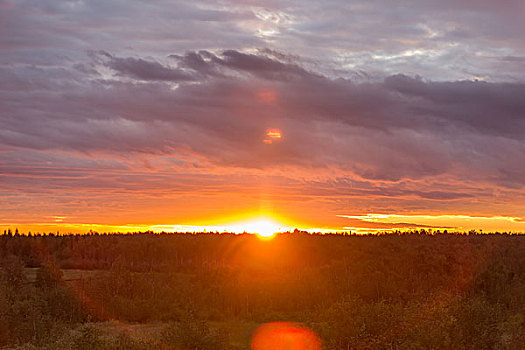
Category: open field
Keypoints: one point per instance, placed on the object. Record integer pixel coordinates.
(149, 291)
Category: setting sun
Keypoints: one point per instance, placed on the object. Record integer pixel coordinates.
(263, 228)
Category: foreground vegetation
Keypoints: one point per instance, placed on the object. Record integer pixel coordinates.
(210, 291)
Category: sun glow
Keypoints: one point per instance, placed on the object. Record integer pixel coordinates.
(263, 228)
(264, 225)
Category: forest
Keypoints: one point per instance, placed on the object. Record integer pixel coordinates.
(405, 290)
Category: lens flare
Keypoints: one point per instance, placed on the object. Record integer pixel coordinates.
(284, 336)
(272, 136)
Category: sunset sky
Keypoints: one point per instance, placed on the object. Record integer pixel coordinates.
(130, 115)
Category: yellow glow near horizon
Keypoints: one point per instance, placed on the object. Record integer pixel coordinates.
(453, 222)
(267, 223)
(264, 225)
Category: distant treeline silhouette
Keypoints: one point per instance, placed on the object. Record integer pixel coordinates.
(422, 231)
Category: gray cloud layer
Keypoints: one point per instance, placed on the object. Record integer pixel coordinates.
(402, 127)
